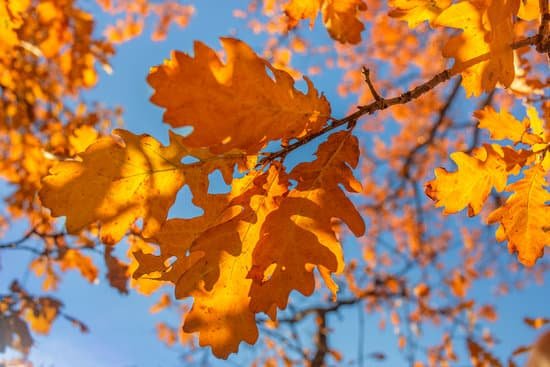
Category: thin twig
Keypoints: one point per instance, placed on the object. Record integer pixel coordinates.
(366, 74)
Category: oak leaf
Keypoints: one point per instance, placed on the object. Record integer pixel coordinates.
(483, 52)
(236, 105)
(503, 125)
(524, 216)
(42, 314)
(118, 181)
(417, 11)
(340, 17)
(218, 279)
(299, 235)
(11, 19)
(488, 167)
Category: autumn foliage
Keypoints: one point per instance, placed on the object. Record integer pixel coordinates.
(446, 100)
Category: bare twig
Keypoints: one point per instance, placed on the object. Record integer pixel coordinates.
(366, 74)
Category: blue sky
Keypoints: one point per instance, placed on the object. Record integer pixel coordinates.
(122, 331)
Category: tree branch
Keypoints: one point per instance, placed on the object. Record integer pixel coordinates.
(383, 103)
(321, 341)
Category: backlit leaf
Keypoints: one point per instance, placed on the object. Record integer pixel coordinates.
(469, 186)
(482, 52)
(236, 105)
(304, 217)
(524, 216)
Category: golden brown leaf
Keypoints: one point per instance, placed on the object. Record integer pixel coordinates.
(503, 125)
(42, 314)
(417, 11)
(483, 52)
(221, 312)
(305, 218)
(117, 183)
(215, 271)
(524, 216)
(235, 105)
(340, 17)
(11, 18)
(488, 167)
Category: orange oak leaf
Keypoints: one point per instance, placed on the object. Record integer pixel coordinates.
(488, 167)
(11, 18)
(417, 11)
(299, 236)
(74, 259)
(236, 105)
(339, 17)
(218, 280)
(118, 181)
(529, 9)
(42, 314)
(296, 10)
(503, 125)
(482, 52)
(213, 257)
(524, 216)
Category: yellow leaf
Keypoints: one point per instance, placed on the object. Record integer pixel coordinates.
(503, 125)
(221, 312)
(482, 52)
(42, 314)
(297, 10)
(235, 105)
(117, 182)
(524, 216)
(417, 11)
(11, 18)
(305, 218)
(219, 247)
(82, 137)
(488, 167)
(529, 9)
(74, 259)
(339, 16)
